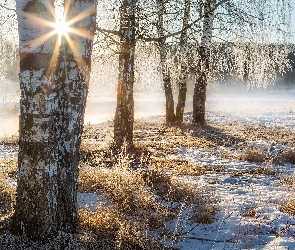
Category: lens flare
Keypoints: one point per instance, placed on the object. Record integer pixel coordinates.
(62, 27)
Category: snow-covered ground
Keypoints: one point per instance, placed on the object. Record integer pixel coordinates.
(249, 214)
(237, 195)
(269, 108)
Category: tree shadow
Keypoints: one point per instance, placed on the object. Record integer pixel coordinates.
(209, 133)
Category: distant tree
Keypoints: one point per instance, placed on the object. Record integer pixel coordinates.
(184, 68)
(182, 50)
(251, 33)
(162, 46)
(199, 97)
(54, 81)
(182, 32)
(9, 60)
(124, 117)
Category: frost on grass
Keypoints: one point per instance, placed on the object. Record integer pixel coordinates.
(142, 207)
(225, 185)
(140, 201)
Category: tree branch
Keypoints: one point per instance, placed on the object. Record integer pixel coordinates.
(7, 8)
(157, 39)
(114, 32)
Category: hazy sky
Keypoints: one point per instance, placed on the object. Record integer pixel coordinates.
(293, 27)
(10, 27)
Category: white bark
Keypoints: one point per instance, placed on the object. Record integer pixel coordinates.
(183, 63)
(170, 116)
(54, 87)
(36, 202)
(199, 98)
(74, 69)
(207, 29)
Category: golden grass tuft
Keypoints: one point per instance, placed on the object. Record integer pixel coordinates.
(205, 214)
(176, 166)
(133, 210)
(264, 169)
(261, 170)
(7, 198)
(139, 203)
(288, 155)
(250, 212)
(102, 219)
(8, 168)
(288, 207)
(288, 180)
(253, 154)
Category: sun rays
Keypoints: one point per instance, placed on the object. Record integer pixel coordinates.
(62, 27)
(69, 31)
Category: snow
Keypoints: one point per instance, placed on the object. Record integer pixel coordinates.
(236, 195)
(268, 108)
(268, 228)
(88, 201)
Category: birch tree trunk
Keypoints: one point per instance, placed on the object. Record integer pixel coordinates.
(74, 66)
(170, 116)
(183, 64)
(53, 96)
(124, 117)
(36, 202)
(199, 98)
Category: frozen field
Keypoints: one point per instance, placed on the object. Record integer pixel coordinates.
(250, 214)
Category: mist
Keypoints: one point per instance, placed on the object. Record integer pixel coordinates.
(228, 97)
(228, 101)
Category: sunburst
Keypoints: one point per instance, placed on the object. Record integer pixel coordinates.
(62, 27)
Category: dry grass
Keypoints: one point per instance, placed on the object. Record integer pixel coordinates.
(250, 212)
(8, 167)
(288, 207)
(288, 180)
(263, 169)
(253, 154)
(7, 197)
(162, 139)
(288, 155)
(176, 166)
(141, 191)
(140, 203)
(7, 192)
(256, 132)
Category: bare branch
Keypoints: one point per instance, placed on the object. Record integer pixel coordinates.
(7, 8)
(147, 39)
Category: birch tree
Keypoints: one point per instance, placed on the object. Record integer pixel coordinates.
(170, 115)
(183, 47)
(74, 75)
(199, 97)
(53, 82)
(124, 117)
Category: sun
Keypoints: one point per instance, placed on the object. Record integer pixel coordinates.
(62, 27)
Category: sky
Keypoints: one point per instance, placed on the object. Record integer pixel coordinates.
(11, 4)
(293, 27)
